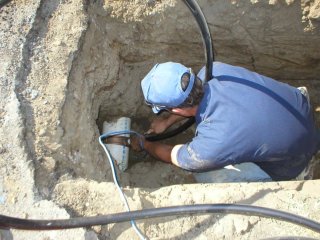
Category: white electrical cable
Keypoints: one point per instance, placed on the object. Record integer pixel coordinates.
(115, 179)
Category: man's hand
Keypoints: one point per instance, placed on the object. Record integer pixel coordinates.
(158, 125)
(137, 143)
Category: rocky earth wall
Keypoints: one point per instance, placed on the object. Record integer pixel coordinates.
(69, 65)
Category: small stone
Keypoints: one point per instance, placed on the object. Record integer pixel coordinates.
(97, 229)
(34, 94)
(48, 163)
(13, 199)
(42, 132)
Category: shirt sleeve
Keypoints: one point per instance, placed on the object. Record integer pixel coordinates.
(200, 156)
(188, 159)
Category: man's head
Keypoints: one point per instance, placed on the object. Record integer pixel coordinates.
(171, 85)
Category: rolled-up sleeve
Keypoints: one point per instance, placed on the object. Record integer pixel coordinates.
(188, 159)
(194, 156)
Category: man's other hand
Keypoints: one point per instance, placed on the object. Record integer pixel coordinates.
(158, 125)
(137, 143)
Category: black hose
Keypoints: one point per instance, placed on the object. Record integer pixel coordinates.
(169, 134)
(18, 223)
(209, 56)
(205, 33)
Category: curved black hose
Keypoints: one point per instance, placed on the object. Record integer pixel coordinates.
(18, 223)
(209, 56)
(169, 134)
(205, 33)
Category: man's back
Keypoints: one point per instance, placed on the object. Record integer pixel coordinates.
(248, 117)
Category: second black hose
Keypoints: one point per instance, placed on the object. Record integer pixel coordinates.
(17, 223)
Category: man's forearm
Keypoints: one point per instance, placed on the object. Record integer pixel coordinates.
(158, 150)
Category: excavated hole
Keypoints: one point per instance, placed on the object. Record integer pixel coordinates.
(124, 98)
(115, 56)
(105, 85)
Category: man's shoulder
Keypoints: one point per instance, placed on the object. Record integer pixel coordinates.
(218, 68)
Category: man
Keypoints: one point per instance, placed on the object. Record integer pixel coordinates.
(261, 127)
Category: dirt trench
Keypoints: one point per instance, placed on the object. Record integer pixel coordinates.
(120, 42)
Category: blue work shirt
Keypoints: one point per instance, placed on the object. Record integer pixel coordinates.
(247, 117)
